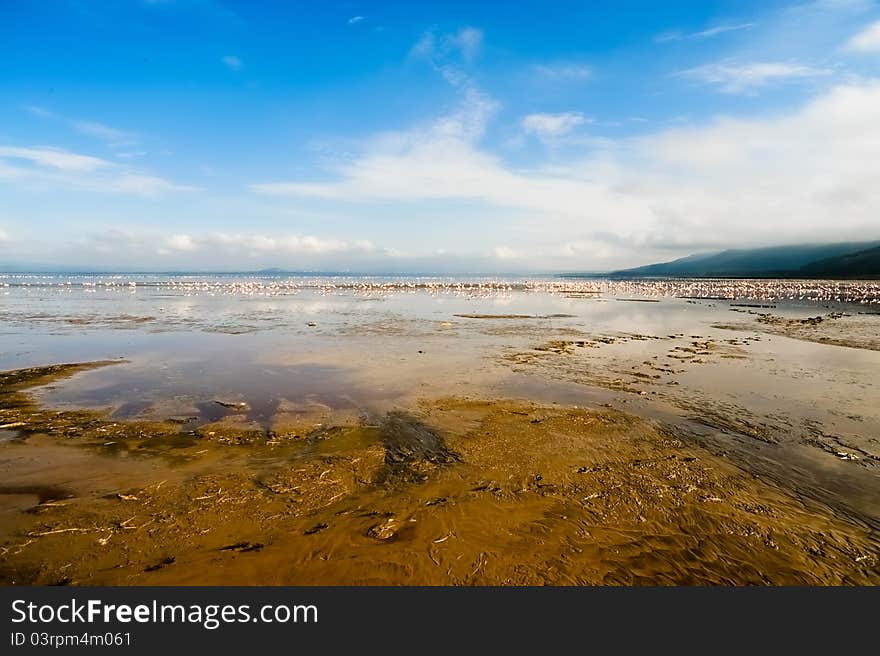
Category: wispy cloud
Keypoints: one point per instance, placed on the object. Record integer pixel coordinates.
(54, 158)
(563, 71)
(112, 137)
(733, 77)
(552, 125)
(354, 20)
(468, 40)
(154, 248)
(48, 167)
(130, 154)
(702, 34)
(439, 156)
(233, 63)
(259, 244)
(138, 184)
(448, 54)
(42, 112)
(465, 44)
(868, 40)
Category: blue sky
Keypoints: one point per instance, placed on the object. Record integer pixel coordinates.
(200, 134)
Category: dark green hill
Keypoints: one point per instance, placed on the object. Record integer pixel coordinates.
(862, 264)
(774, 261)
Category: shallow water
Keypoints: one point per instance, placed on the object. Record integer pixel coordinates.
(801, 411)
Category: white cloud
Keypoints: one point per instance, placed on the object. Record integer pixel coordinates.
(233, 63)
(256, 244)
(424, 47)
(47, 167)
(734, 77)
(505, 253)
(355, 19)
(130, 154)
(113, 136)
(808, 175)
(703, 34)
(152, 248)
(42, 112)
(55, 158)
(465, 43)
(721, 29)
(563, 71)
(181, 243)
(847, 5)
(4, 236)
(868, 40)
(552, 125)
(433, 161)
(139, 185)
(468, 40)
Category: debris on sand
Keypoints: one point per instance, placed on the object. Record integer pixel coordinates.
(384, 531)
(238, 406)
(170, 560)
(243, 547)
(316, 528)
(515, 316)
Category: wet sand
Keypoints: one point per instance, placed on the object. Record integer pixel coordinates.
(458, 491)
(853, 330)
(470, 437)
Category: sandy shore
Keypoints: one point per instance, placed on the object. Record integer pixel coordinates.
(448, 491)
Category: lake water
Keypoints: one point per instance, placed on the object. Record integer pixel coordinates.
(688, 353)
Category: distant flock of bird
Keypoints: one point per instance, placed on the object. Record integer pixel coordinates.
(819, 291)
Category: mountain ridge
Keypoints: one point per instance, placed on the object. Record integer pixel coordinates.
(843, 260)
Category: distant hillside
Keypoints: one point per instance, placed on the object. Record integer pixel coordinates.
(862, 264)
(850, 260)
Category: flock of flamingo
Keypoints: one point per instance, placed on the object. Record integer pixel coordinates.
(863, 292)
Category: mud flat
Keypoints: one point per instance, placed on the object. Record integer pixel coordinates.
(835, 328)
(799, 413)
(449, 491)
